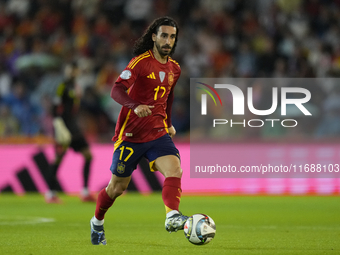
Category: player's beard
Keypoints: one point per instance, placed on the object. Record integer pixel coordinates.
(162, 51)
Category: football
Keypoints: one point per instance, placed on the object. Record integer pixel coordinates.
(199, 229)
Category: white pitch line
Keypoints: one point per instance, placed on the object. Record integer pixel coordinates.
(23, 220)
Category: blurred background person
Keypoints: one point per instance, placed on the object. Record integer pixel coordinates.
(68, 134)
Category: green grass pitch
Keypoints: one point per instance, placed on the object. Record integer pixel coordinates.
(135, 225)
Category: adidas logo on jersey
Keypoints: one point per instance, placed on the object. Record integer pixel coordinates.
(151, 76)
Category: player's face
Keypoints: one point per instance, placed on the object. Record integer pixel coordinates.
(165, 39)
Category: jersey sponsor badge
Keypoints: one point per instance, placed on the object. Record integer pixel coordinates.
(126, 74)
(161, 76)
(171, 78)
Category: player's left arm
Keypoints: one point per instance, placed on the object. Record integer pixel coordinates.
(171, 128)
(62, 134)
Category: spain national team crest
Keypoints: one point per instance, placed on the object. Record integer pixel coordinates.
(171, 78)
(121, 168)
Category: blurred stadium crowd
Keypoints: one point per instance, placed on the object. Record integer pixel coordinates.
(218, 38)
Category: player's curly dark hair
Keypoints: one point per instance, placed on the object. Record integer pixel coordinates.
(145, 42)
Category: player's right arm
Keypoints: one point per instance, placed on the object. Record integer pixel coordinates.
(119, 91)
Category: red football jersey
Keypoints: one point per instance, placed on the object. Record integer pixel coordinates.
(149, 82)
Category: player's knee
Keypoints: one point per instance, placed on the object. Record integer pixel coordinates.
(178, 172)
(88, 157)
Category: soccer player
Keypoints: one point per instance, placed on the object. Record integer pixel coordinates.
(145, 89)
(68, 134)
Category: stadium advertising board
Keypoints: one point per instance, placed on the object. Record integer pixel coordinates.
(24, 168)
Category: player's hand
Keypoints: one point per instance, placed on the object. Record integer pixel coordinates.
(143, 110)
(172, 131)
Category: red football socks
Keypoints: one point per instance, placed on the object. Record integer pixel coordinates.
(104, 202)
(171, 193)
